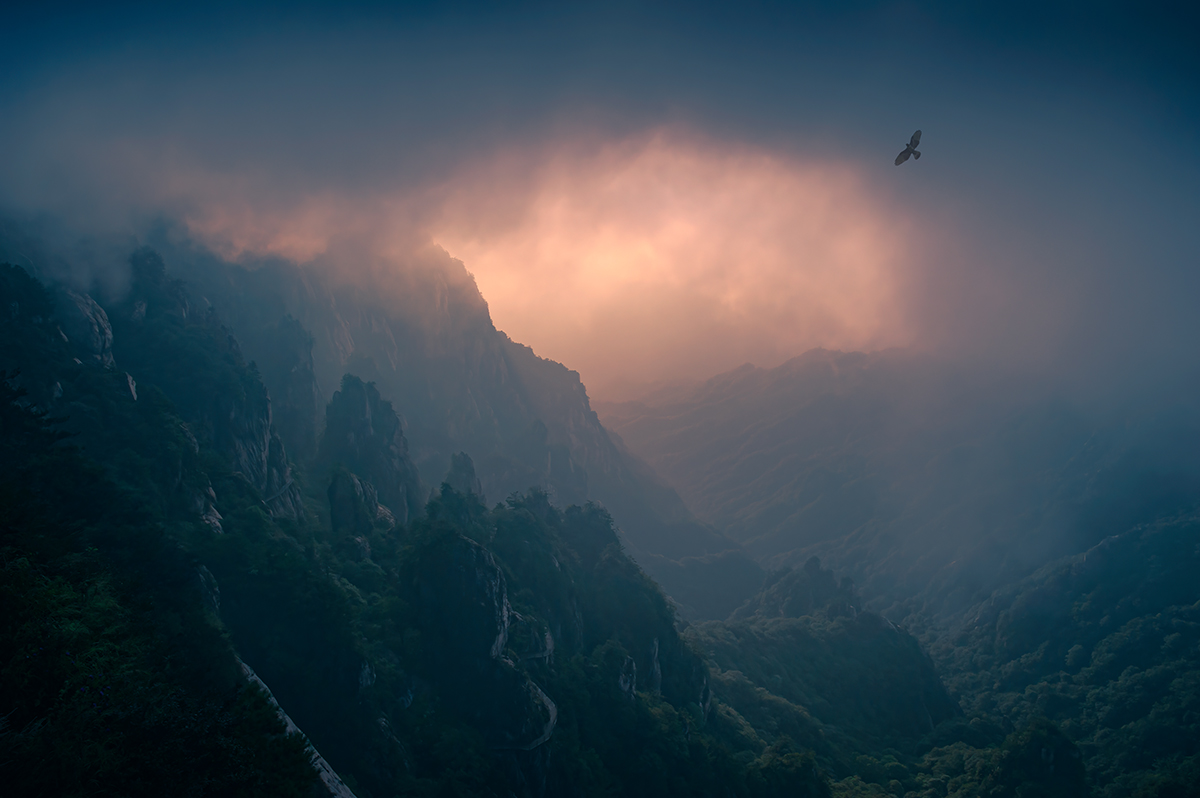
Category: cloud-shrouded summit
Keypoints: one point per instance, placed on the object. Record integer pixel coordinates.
(652, 195)
(652, 257)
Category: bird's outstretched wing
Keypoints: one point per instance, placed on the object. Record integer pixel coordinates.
(902, 157)
(916, 140)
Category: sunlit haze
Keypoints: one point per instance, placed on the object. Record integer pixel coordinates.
(662, 257)
(652, 258)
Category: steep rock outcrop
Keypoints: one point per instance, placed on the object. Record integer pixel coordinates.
(463, 599)
(198, 364)
(34, 343)
(461, 476)
(99, 406)
(463, 590)
(796, 592)
(354, 508)
(363, 433)
(280, 492)
(289, 372)
(590, 592)
(86, 325)
(421, 332)
(240, 424)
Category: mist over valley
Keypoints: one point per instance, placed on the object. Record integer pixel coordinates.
(581, 401)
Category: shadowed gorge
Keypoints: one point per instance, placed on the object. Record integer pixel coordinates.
(928, 485)
(1033, 546)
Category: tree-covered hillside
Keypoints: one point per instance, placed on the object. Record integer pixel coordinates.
(516, 650)
(174, 537)
(113, 677)
(1043, 552)
(1107, 644)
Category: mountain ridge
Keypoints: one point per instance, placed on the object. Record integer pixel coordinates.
(905, 474)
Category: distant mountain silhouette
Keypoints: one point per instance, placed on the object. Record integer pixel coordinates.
(929, 492)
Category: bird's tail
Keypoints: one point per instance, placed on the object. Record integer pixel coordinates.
(916, 155)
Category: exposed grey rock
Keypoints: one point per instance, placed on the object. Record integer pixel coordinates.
(203, 503)
(366, 676)
(627, 680)
(425, 338)
(354, 508)
(551, 717)
(191, 438)
(464, 590)
(335, 787)
(463, 600)
(232, 411)
(285, 355)
(655, 681)
(462, 478)
(363, 433)
(209, 589)
(281, 494)
(242, 430)
(86, 326)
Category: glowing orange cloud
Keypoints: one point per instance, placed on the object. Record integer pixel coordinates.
(665, 257)
(657, 258)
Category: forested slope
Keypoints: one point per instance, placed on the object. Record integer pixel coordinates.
(157, 527)
(1043, 552)
(515, 650)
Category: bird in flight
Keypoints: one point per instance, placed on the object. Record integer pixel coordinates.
(911, 149)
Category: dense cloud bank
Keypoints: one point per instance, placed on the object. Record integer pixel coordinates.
(655, 195)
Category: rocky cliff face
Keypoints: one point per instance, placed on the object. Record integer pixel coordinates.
(464, 604)
(363, 433)
(354, 509)
(160, 336)
(289, 372)
(241, 429)
(423, 335)
(86, 325)
(389, 656)
(36, 346)
(461, 477)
